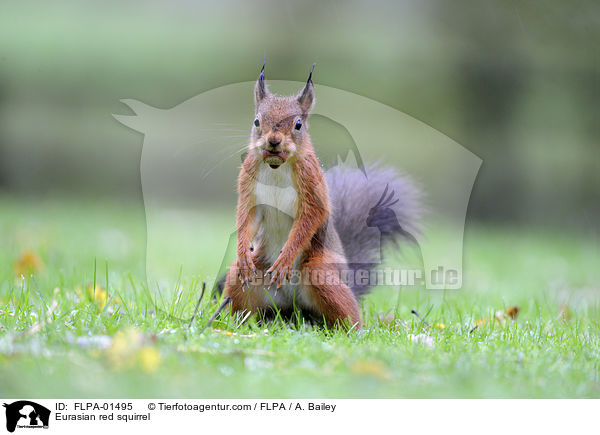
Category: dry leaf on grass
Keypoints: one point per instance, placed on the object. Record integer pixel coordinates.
(564, 313)
(28, 263)
(131, 349)
(386, 319)
(97, 295)
(371, 368)
(510, 312)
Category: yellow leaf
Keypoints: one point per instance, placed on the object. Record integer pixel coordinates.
(100, 296)
(131, 349)
(148, 359)
(29, 262)
(370, 367)
(481, 321)
(122, 351)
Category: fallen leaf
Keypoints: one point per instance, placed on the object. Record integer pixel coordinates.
(385, 318)
(564, 313)
(478, 323)
(371, 368)
(500, 316)
(97, 295)
(512, 312)
(129, 349)
(388, 320)
(148, 358)
(482, 321)
(28, 263)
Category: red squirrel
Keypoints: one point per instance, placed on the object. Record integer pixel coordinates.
(296, 229)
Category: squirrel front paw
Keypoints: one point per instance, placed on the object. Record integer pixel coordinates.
(246, 268)
(280, 270)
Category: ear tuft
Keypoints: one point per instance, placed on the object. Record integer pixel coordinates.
(306, 98)
(260, 89)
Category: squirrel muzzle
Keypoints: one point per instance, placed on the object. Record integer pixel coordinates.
(274, 158)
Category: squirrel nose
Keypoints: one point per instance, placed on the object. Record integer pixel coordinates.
(274, 141)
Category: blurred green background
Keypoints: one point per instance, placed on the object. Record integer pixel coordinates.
(516, 83)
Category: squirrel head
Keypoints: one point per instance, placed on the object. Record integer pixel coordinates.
(279, 129)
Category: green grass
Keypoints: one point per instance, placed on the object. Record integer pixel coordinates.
(56, 341)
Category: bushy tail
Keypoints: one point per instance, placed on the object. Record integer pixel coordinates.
(371, 212)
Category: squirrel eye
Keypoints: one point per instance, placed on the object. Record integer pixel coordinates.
(298, 125)
(256, 123)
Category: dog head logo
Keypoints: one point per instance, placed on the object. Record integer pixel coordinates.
(26, 414)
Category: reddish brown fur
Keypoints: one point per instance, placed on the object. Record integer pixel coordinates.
(335, 301)
(246, 208)
(313, 210)
(332, 300)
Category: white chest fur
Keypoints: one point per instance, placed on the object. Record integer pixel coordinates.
(276, 201)
(275, 188)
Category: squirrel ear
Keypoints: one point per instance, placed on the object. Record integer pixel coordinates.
(307, 96)
(260, 89)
